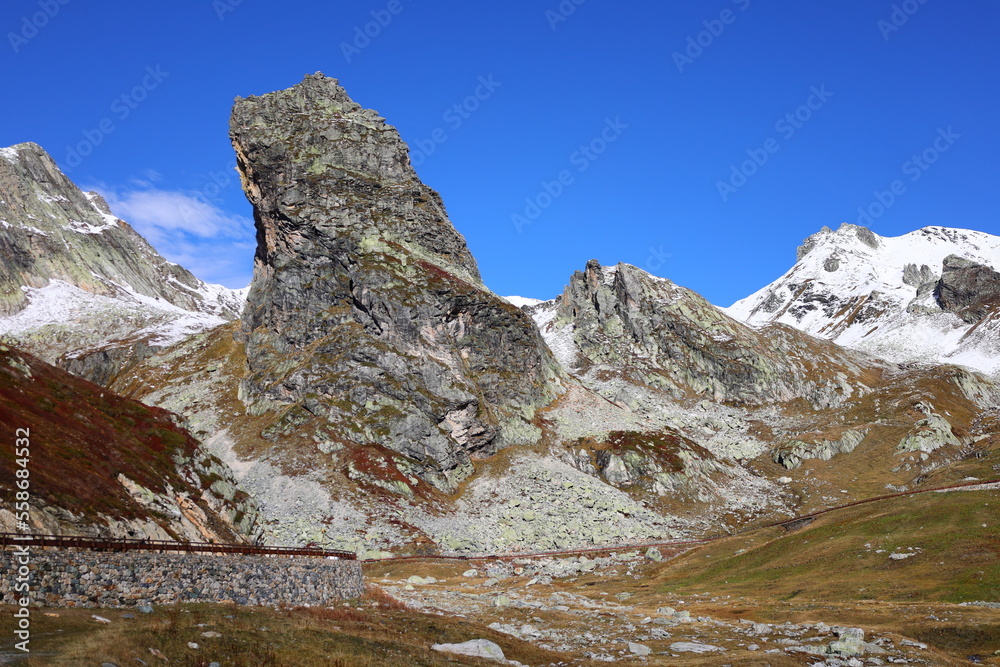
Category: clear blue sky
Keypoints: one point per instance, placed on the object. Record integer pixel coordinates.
(651, 198)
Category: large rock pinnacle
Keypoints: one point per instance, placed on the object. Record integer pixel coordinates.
(366, 310)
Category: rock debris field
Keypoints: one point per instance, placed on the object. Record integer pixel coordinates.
(569, 606)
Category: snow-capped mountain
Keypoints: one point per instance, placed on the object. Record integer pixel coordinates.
(521, 301)
(75, 279)
(891, 296)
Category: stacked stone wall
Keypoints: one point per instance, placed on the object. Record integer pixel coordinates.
(101, 579)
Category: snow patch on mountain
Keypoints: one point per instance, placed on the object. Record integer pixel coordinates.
(521, 301)
(97, 201)
(62, 304)
(876, 294)
(558, 338)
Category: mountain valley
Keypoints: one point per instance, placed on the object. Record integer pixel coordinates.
(368, 392)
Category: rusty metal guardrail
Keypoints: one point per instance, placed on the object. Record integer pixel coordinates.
(788, 524)
(55, 541)
(122, 545)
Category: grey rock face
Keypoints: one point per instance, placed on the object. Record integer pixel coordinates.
(968, 289)
(915, 276)
(52, 234)
(102, 365)
(867, 236)
(649, 331)
(366, 309)
(795, 452)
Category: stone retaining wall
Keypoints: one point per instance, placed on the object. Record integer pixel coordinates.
(99, 579)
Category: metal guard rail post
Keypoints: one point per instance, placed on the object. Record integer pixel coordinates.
(123, 544)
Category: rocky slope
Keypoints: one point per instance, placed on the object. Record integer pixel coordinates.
(376, 396)
(102, 465)
(366, 318)
(627, 333)
(928, 296)
(658, 467)
(576, 487)
(79, 286)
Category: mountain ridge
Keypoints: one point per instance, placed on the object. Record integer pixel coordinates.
(375, 396)
(878, 294)
(79, 287)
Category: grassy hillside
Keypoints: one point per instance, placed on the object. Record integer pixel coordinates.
(82, 437)
(374, 631)
(846, 555)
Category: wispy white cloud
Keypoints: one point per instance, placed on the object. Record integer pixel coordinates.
(162, 211)
(149, 177)
(187, 228)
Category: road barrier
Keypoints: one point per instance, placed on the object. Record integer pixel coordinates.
(789, 524)
(121, 545)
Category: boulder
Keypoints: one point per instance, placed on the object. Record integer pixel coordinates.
(475, 648)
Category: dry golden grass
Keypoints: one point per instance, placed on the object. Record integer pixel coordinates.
(375, 631)
(954, 535)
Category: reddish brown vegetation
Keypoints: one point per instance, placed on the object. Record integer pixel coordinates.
(82, 437)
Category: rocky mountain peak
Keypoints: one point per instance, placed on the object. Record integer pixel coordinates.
(881, 294)
(628, 335)
(323, 138)
(64, 257)
(845, 236)
(366, 313)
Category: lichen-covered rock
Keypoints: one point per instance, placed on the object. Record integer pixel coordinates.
(968, 289)
(366, 309)
(915, 276)
(475, 648)
(929, 434)
(78, 286)
(795, 452)
(619, 328)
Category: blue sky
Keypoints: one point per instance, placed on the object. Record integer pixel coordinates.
(700, 141)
